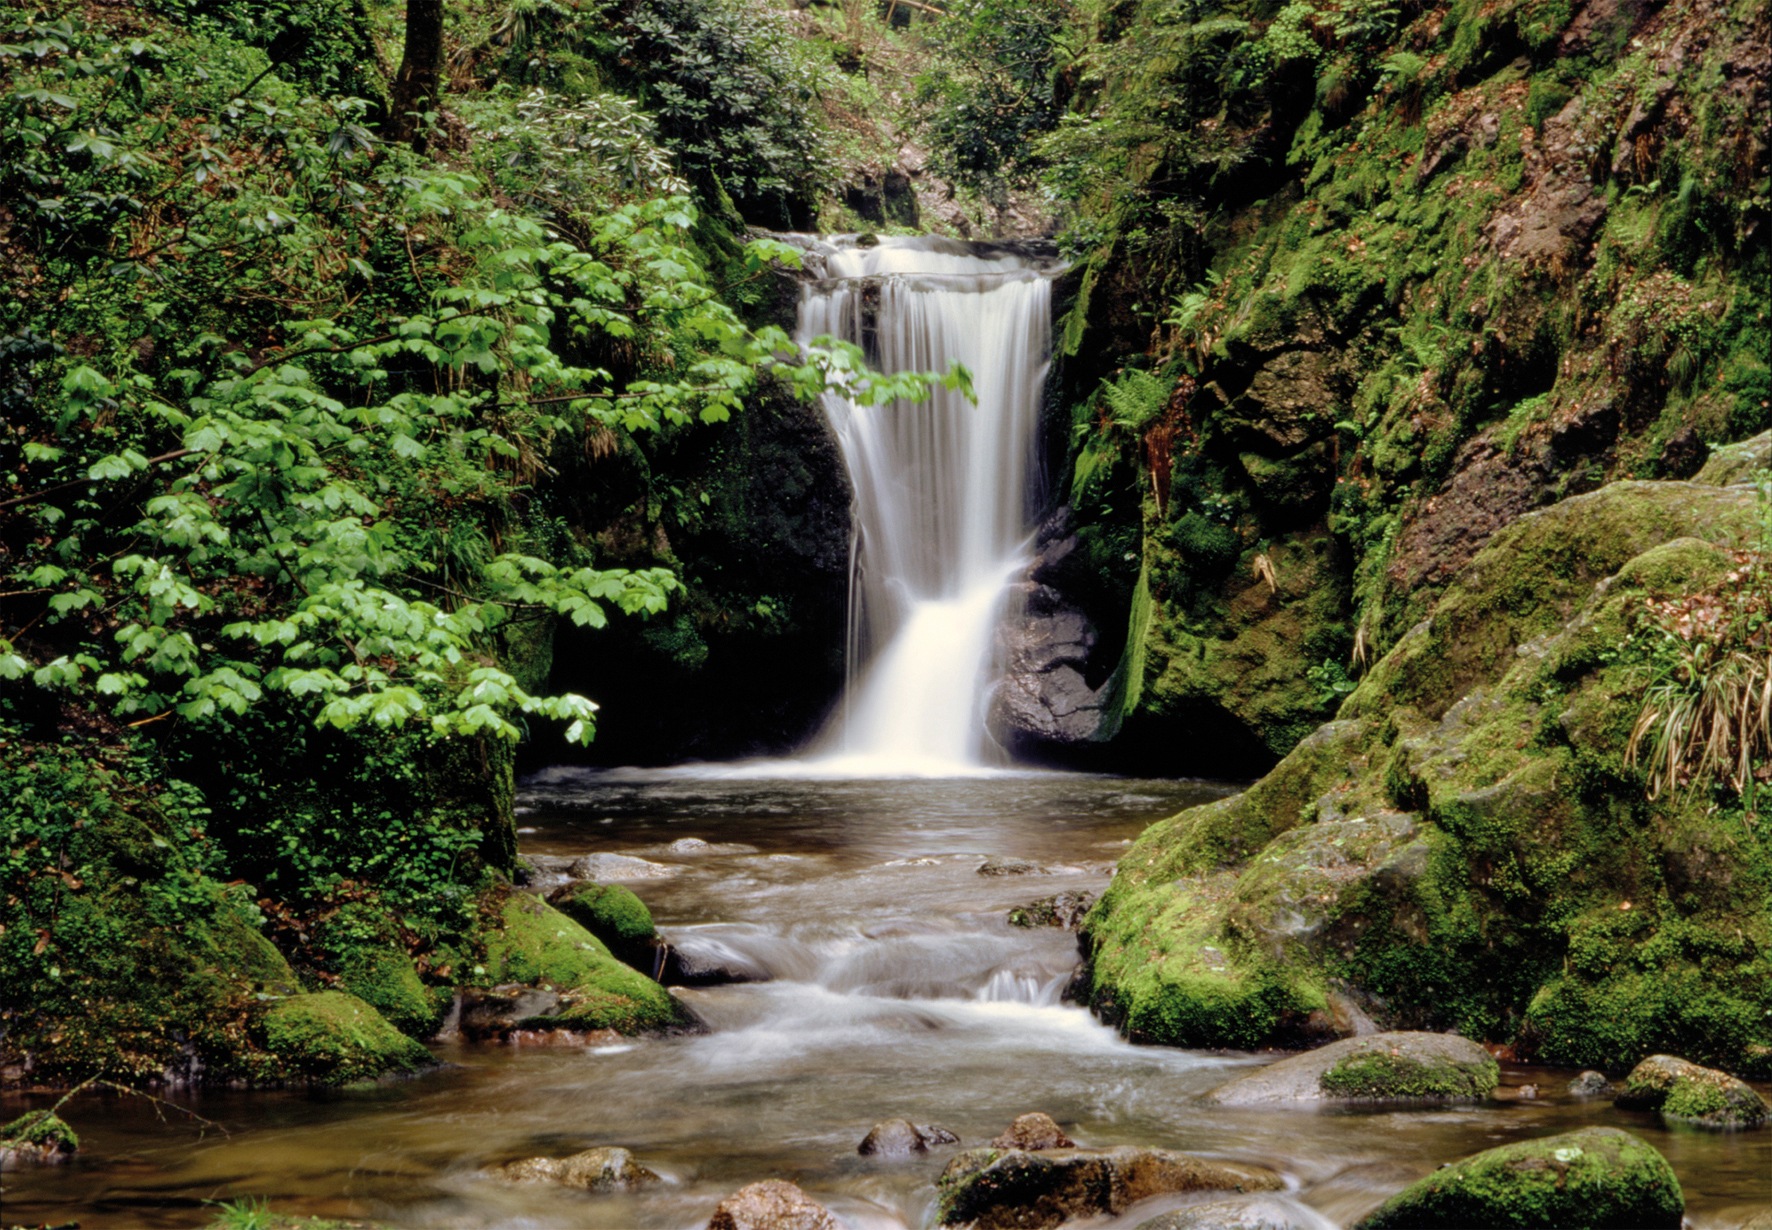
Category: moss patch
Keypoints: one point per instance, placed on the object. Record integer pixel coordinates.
(332, 1038)
(1381, 1075)
(539, 945)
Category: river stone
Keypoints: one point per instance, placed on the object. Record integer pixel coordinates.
(594, 1170)
(1687, 1093)
(902, 1138)
(996, 865)
(1392, 1067)
(618, 867)
(1064, 909)
(1018, 1189)
(1242, 1213)
(1590, 1084)
(773, 1204)
(1036, 1130)
(1597, 1177)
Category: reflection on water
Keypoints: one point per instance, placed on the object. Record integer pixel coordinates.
(896, 989)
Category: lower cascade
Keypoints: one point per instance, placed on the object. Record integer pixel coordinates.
(941, 488)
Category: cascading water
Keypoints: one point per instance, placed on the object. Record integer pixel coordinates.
(941, 489)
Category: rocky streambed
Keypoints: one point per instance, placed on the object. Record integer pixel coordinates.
(848, 952)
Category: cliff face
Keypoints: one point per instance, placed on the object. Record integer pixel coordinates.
(1429, 276)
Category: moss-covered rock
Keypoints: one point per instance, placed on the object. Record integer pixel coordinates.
(1597, 1177)
(389, 982)
(331, 1038)
(39, 1137)
(1688, 1093)
(1389, 1067)
(1465, 847)
(613, 914)
(538, 945)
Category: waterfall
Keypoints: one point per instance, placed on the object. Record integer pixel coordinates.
(941, 489)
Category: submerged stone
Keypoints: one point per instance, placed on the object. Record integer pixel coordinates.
(773, 1204)
(1687, 1093)
(1586, 1180)
(1019, 1189)
(594, 1170)
(1590, 1084)
(902, 1138)
(1406, 1066)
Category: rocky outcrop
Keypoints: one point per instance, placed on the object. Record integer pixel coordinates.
(992, 1189)
(898, 1138)
(773, 1204)
(1389, 1067)
(1592, 1178)
(1688, 1093)
(594, 1170)
(1465, 848)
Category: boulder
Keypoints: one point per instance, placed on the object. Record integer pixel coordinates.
(618, 867)
(998, 865)
(1688, 1093)
(902, 1138)
(594, 1170)
(1263, 1212)
(614, 915)
(1592, 1178)
(1590, 1084)
(331, 1038)
(1064, 910)
(38, 1137)
(1036, 1130)
(1390, 1067)
(773, 1204)
(1020, 1189)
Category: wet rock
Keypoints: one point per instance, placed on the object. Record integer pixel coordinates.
(1594, 1177)
(1688, 1093)
(1404, 1066)
(1590, 1084)
(998, 866)
(990, 1189)
(1064, 909)
(493, 1012)
(773, 1204)
(1242, 1213)
(37, 1138)
(618, 867)
(562, 1037)
(708, 963)
(1036, 1130)
(902, 1138)
(594, 1170)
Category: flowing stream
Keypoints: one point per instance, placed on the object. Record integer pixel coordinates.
(898, 989)
(941, 499)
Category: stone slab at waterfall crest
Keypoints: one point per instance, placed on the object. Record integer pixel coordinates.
(941, 489)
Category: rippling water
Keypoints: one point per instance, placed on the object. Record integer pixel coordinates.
(897, 990)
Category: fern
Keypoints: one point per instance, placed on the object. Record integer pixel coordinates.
(1135, 398)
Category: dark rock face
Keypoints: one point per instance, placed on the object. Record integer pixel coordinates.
(1403, 1066)
(1687, 1093)
(1683, 455)
(594, 1170)
(771, 1205)
(1036, 1130)
(987, 1189)
(1595, 1177)
(895, 1138)
(494, 1012)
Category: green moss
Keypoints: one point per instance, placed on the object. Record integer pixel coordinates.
(537, 944)
(610, 912)
(40, 1130)
(332, 1038)
(1382, 1075)
(1598, 1177)
(388, 981)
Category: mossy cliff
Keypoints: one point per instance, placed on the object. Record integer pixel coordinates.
(1463, 847)
(1384, 281)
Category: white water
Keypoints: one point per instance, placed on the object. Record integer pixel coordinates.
(941, 517)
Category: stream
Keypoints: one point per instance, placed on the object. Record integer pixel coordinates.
(896, 988)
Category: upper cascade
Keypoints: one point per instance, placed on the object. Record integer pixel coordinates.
(942, 488)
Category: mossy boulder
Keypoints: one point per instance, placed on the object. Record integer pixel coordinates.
(38, 1137)
(613, 914)
(1688, 1093)
(1390, 1067)
(536, 944)
(1017, 1189)
(332, 1038)
(1597, 1177)
(1464, 848)
(389, 981)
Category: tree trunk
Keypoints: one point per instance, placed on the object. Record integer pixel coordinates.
(419, 86)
